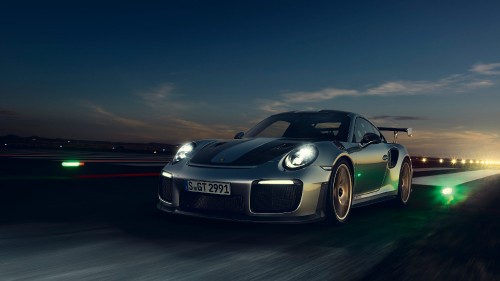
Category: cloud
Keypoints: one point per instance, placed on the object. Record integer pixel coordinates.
(289, 99)
(6, 114)
(118, 119)
(486, 68)
(394, 120)
(407, 87)
(479, 84)
(317, 96)
(270, 106)
(455, 83)
(167, 127)
(194, 130)
(397, 117)
(162, 97)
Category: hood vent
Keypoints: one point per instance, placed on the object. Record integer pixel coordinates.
(284, 146)
(219, 144)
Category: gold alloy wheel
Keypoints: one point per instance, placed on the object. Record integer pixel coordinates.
(405, 187)
(342, 192)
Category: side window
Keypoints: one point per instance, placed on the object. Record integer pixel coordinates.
(275, 130)
(361, 128)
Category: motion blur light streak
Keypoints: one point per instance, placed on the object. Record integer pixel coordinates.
(94, 176)
(25, 155)
(8, 178)
(100, 176)
(72, 164)
(125, 161)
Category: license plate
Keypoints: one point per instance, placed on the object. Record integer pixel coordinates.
(220, 188)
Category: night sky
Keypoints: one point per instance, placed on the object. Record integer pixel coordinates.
(169, 71)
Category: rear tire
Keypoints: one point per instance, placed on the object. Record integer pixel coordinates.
(339, 195)
(404, 186)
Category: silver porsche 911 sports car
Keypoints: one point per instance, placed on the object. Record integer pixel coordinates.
(291, 167)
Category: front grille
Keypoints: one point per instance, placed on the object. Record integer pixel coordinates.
(275, 198)
(199, 201)
(165, 189)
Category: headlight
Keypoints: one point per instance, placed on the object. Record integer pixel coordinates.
(301, 157)
(183, 152)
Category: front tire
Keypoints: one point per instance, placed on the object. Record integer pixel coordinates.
(404, 187)
(339, 197)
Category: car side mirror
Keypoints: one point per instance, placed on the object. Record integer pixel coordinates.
(370, 138)
(239, 135)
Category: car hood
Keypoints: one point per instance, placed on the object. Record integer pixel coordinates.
(243, 152)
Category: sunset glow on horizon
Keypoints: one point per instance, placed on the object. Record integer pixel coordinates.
(176, 71)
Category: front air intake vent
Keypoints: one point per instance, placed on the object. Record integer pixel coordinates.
(275, 198)
(165, 189)
(191, 201)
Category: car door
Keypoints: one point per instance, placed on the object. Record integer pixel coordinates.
(370, 161)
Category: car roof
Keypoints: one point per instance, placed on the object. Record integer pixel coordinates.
(351, 114)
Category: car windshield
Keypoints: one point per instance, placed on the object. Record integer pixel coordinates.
(318, 126)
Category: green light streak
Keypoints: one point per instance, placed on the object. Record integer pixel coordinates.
(72, 164)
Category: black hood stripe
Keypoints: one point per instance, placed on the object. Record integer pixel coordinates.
(205, 155)
(235, 152)
(248, 152)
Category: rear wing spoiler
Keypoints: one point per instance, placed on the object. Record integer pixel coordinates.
(409, 131)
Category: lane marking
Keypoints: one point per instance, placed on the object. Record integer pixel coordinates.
(455, 178)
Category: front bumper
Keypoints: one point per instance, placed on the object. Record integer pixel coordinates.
(162, 206)
(242, 204)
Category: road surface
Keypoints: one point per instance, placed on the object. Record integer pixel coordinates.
(99, 222)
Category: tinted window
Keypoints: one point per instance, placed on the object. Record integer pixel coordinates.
(277, 128)
(317, 126)
(362, 127)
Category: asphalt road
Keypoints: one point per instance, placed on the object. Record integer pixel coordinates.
(99, 222)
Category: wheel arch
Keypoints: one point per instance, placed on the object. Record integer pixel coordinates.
(350, 164)
(400, 201)
(331, 215)
(407, 157)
